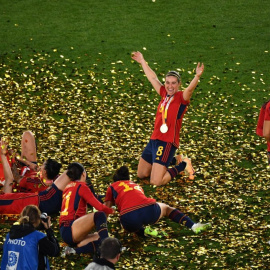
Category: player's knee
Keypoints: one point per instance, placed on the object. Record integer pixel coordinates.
(155, 182)
(142, 175)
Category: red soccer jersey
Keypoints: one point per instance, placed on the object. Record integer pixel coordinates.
(127, 196)
(176, 111)
(75, 198)
(264, 115)
(13, 203)
(30, 183)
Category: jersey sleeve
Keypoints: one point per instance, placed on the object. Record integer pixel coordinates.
(109, 195)
(89, 197)
(49, 246)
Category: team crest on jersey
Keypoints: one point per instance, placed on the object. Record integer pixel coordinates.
(13, 258)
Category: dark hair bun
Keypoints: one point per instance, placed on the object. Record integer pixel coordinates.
(74, 171)
(121, 174)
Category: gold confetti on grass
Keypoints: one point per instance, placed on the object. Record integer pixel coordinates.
(104, 120)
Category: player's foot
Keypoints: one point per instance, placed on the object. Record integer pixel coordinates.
(150, 232)
(200, 227)
(67, 251)
(179, 159)
(189, 169)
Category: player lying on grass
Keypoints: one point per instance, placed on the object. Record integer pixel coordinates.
(137, 211)
(27, 176)
(49, 200)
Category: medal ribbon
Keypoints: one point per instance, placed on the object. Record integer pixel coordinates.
(168, 99)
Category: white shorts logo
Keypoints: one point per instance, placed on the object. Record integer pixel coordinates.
(13, 258)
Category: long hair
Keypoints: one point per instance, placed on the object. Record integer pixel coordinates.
(30, 215)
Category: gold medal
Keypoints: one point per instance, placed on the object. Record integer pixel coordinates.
(168, 99)
(163, 128)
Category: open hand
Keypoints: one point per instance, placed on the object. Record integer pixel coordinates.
(199, 69)
(3, 146)
(137, 56)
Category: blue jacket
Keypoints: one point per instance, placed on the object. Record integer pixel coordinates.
(23, 248)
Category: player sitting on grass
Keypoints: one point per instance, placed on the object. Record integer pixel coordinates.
(136, 210)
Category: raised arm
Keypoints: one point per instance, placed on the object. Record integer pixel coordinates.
(150, 74)
(189, 90)
(7, 170)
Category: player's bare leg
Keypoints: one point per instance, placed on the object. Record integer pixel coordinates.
(28, 147)
(7, 170)
(179, 217)
(81, 227)
(159, 175)
(144, 169)
(89, 238)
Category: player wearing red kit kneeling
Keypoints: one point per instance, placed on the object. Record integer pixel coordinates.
(137, 211)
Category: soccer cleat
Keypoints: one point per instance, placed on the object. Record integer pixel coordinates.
(150, 232)
(67, 251)
(189, 169)
(200, 227)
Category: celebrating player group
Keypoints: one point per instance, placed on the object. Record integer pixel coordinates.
(68, 194)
